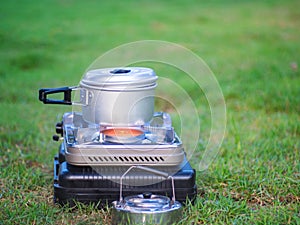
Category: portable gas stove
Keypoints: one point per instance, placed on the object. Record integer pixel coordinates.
(115, 130)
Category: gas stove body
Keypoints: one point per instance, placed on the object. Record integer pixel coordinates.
(116, 128)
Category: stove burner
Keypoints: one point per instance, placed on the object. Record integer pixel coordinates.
(123, 135)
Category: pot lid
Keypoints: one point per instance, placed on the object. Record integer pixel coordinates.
(147, 202)
(119, 78)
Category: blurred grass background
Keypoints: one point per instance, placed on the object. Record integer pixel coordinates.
(251, 46)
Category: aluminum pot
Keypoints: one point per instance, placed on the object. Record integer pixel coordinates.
(112, 96)
(146, 208)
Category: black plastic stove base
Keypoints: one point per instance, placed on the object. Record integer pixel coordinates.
(100, 185)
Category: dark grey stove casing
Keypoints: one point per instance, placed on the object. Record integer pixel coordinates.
(100, 185)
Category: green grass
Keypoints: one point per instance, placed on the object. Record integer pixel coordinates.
(251, 46)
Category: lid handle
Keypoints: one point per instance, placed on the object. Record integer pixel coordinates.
(151, 170)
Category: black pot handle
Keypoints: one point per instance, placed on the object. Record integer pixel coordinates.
(47, 91)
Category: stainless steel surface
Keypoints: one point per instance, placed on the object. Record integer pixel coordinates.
(86, 145)
(118, 96)
(146, 208)
(164, 217)
(124, 154)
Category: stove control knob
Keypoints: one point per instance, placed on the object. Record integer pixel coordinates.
(55, 138)
(59, 128)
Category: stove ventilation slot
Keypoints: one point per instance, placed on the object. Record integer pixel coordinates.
(126, 159)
